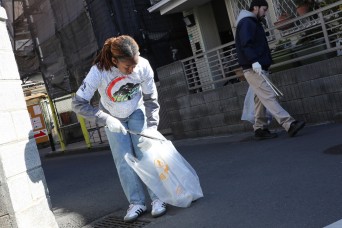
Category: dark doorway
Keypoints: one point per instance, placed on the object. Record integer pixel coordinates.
(222, 21)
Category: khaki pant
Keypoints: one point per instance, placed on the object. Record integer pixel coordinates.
(264, 99)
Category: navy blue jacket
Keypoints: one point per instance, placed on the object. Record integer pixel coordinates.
(251, 43)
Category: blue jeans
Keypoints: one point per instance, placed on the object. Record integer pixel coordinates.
(121, 144)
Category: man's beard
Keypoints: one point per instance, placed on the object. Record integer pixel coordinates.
(261, 18)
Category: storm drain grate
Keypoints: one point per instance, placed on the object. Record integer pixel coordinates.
(334, 150)
(115, 222)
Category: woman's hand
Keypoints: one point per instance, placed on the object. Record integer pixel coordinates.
(114, 125)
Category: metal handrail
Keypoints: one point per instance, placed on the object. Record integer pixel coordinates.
(313, 35)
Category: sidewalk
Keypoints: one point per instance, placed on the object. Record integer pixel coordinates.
(81, 147)
(73, 148)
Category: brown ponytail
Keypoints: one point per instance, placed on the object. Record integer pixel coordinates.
(120, 47)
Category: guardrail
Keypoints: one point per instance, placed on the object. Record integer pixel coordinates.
(312, 37)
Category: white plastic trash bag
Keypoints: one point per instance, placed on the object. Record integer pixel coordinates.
(248, 108)
(167, 174)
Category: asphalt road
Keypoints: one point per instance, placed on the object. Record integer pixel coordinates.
(278, 183)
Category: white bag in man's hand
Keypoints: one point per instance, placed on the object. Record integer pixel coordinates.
(248, 108)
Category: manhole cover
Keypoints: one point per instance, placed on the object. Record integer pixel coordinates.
(334, 150)
(116, 222)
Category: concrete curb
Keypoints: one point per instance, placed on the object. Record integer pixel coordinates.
(229, 138)
(75, 151)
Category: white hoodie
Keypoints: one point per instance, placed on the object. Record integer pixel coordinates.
(120, 94)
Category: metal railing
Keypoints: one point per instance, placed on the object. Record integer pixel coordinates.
(312, 37)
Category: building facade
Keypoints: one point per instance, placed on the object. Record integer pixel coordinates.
(204, 95)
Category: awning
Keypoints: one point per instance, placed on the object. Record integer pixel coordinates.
(175, 6)
(34, 96)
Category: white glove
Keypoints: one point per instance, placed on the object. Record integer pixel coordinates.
(257, 67)
(114, 125)
(146, 143)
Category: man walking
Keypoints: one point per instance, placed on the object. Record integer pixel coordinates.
(255, 58)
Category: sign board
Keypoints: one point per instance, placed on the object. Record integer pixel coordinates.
(40, 133)
(38, 124)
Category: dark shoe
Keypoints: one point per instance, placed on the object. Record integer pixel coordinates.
(260, 134)
(295, 127)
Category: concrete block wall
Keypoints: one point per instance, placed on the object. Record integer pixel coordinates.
(24, 199)
(171, 86)
(312, 93)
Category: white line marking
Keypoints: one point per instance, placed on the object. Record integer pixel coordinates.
(337, 224)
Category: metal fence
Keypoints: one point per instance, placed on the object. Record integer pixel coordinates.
(312, 37)
(67, 120)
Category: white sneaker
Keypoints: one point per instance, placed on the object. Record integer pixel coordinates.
(158, 208)
(134, 211)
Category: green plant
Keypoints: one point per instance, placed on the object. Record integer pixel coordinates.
(309, 36)
(331, 16)
(327, 2)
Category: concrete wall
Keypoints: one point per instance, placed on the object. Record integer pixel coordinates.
(312, 93)
(24, 199)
